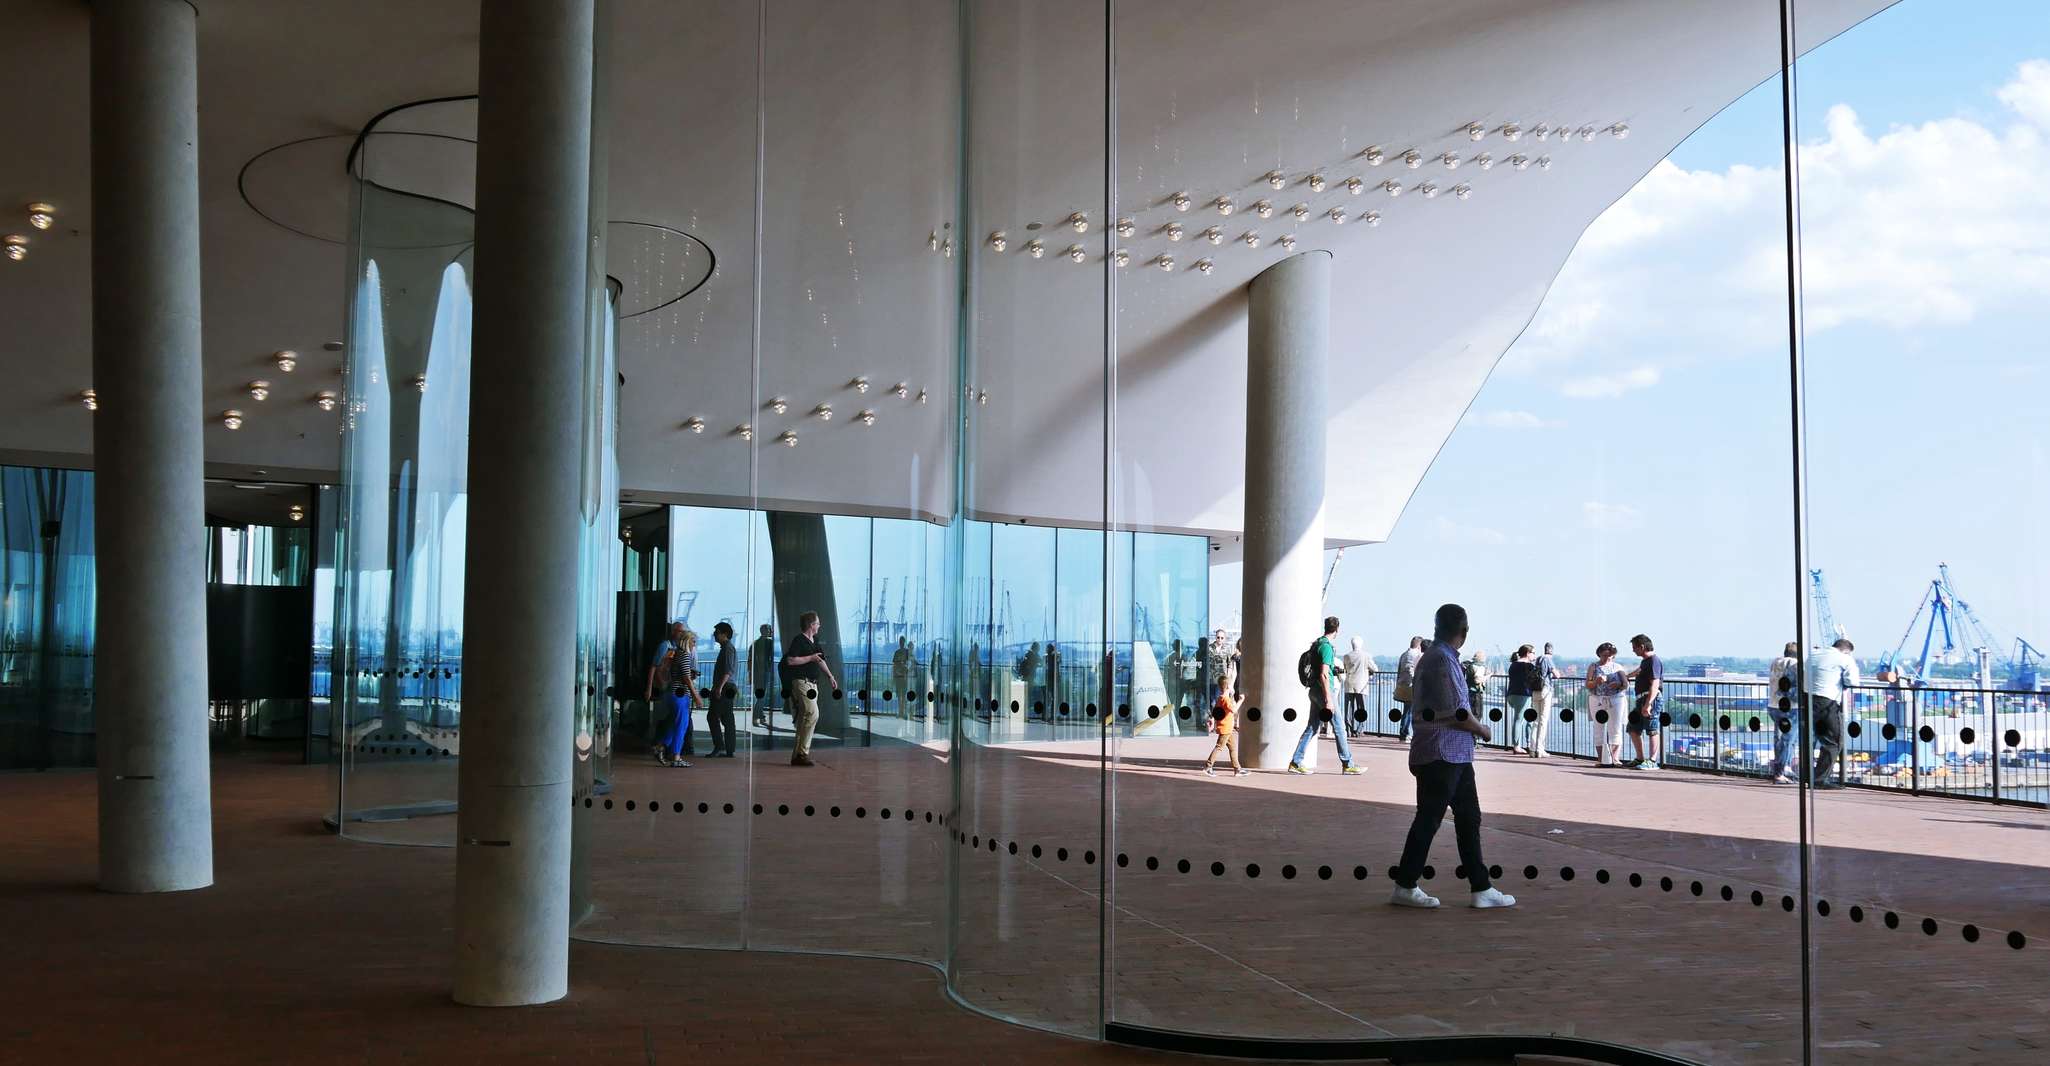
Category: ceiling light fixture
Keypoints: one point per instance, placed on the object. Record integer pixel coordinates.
(1544, 162)
(921, 396)
(1484, 161)
(1450, 159)
(1263, 208)
(1475, 131)
(1251, 239)
(788, 439)
(17, 246)
(901, 390)
(1316, 183)
(286, 359)
(1276, 179)
(1182, 201)
(1371, 218)
(1173, 231)
(259, 391)
(1392, 188)
(1300, 211)
(1355, 185)
(1077, 253)
(1126, 227)
(1429, 190)
(1620, 131)
(40, 215)
(232, 419)
(779, 405)
(324, 399)
(982, 398)
(866, 417)
(1587, 133)
(1224, 205)
(860, 384)
(1541, 131)
(1462, 190)
(1519, 161)
(1164, 262)
(1511, 131)
(823, 412)
(1337, 215)
(1205, 266)
(90, 398)
(1035, 247)
(1372, 155)
(744, 431)
(1121, 257)
(1214, 235)
(1412, 159)
(1287, 242)
(1078, 222)
(694, 424)
(997, 241)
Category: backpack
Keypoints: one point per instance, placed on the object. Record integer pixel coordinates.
(1308, 666)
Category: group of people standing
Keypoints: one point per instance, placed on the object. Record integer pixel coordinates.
(673, 689)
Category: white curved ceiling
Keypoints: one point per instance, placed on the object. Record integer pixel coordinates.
(859, 182)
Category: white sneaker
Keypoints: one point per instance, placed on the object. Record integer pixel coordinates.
(1414, 897)
(1493, 897)
(1243, 772)
(1209, 771)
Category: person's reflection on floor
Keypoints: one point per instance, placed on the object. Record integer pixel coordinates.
(1441, 760)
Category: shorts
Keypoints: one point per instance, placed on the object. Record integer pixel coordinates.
(1649, 721)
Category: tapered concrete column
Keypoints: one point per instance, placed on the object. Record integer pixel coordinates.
(520, 584)
(156, 816)
(1288, 333)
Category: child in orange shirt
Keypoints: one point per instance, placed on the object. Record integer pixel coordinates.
(1224, 722)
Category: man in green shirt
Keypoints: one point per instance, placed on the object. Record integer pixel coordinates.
(1321, 685)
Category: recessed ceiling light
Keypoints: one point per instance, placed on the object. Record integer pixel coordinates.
(866, 417)
(694, 424)
(1035, 247)
(997, 241)
(1173, 231)
(1429, 190)
(40, 215)
(1224, 205)
(1276, 179)
(823, 412)
(1462, 190)
(1077, 253)
(901, 390)
(788, 439)
(1541, 131)
(286, 359)
(1372, 155)
(1182, 201)
(1164, 262)
(1619, 131)
(779, 405)
(1316, 183)
(90, 398)
(1287, 242)
(1300, 211)
(1121, 257)
(1475, 131)
(744, 431)
(1392, 188)
(1355, 185)
(1484, 161)
(232, 419)
(1450, 159)
(1412, 159)
(324, 399)
(1078, 222)
(1251, 239)
(1205, 266)
(860, 385)
(1519, 161)
(1214, 235)
(1126, 227)
(17, 246)
(259, 391)
(1511, 131)
(1337, 215)
(1263, 208)
(1544, 162)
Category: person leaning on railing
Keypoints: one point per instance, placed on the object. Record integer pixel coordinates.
(1831, 670)
(1780, 702)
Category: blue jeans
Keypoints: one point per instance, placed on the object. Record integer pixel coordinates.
(1302, 747)
(1786, 744)
(1514, 706)
(1402, 727)
(678, 734)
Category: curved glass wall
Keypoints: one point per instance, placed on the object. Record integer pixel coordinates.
(994, 449)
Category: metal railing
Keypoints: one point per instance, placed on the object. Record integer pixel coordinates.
(1970, 742)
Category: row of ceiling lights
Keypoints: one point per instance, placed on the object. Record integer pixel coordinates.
(287, 361)
(40, 216)
(823, 412)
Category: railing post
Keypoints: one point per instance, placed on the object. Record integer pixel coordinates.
(1913, 699)
(1992, 735)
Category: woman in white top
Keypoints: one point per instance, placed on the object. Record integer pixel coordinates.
(1359, 674)
(1605, 685)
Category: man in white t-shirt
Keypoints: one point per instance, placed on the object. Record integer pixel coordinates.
(1831, 673)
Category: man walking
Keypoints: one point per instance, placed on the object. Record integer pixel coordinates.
(1405, 685)
(1323, 659)
(725, 685)
(806, 667)
(1831, 673)
(1649, 680)
(1781, 702)
(1441, 760)
(761, 669)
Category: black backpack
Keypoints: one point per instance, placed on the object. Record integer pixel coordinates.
(1308, 666)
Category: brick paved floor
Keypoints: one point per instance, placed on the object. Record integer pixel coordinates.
(1266, 954)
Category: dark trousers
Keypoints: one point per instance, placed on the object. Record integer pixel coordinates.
(1439, 785)
(1828, 718)
(1356, 712)
(720, 721)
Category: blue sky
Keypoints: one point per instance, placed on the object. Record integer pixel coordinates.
(1626, 467)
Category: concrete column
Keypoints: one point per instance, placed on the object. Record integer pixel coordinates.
(1288, 334)
(520, 586)
(156, 818)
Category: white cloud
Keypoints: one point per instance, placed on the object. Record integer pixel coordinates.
(1607, 386)
(1510, 420)
(1610, 517)
(1913, 226)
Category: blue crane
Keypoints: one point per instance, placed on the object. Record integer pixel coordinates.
(1953, 630)
(1825, 619)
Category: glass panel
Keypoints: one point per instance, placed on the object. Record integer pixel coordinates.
(1444, 331)
(47, 621)
(1927, 490)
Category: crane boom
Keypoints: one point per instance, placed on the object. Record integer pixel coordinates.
(1825, 618)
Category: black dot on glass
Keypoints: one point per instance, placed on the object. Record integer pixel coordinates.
(587, 803)
(759, 693)
(1035, 851)
(833, 811)
(1183, 713)
(1182, 866)
(1124, 860)
(1323, 873)
(629, 805)
(1929, 926)
(1493, 716)
(992, 845)
(704, 808)
(1822, 907)
(783, 809)
(1530, 714)
(1014, 706)
(2013, 738)
(1064, 709)
(1665, 884)
(1530, 873)
(1395, 715)
(608, 805)
(1152, 712)
(809, 810)
(1090, 710)
(1494, 871)
(1152, 862)
(1888, 731)
(1324, 715)
(1089, 857)
(2016, 940)
(1892, 920)
(729, 808)
(1694, 721)
(1967, 735)
(1601, 877)
(1787, 904)
(1061, 854)
(1458, 872)
(1012, 847)
(973, 841)
(1124, 710)
(1253, 715)
(1288, 715)
(1431, 872)
(1695, 888)
(1217, 869)
(1729, 893)
(1359, 873)
(1636, 880)
(758, 808)
(1970, 933)
(861, 812)
(1288, 872)
(1757, 898)
(1857, 913)
(1927, 733)
(1427, 714)
(1602, 717)
(1665, 719)
(1786, 725)
(1755, 724)
(1853, 729)
(1723, 722)
(1566, 715)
